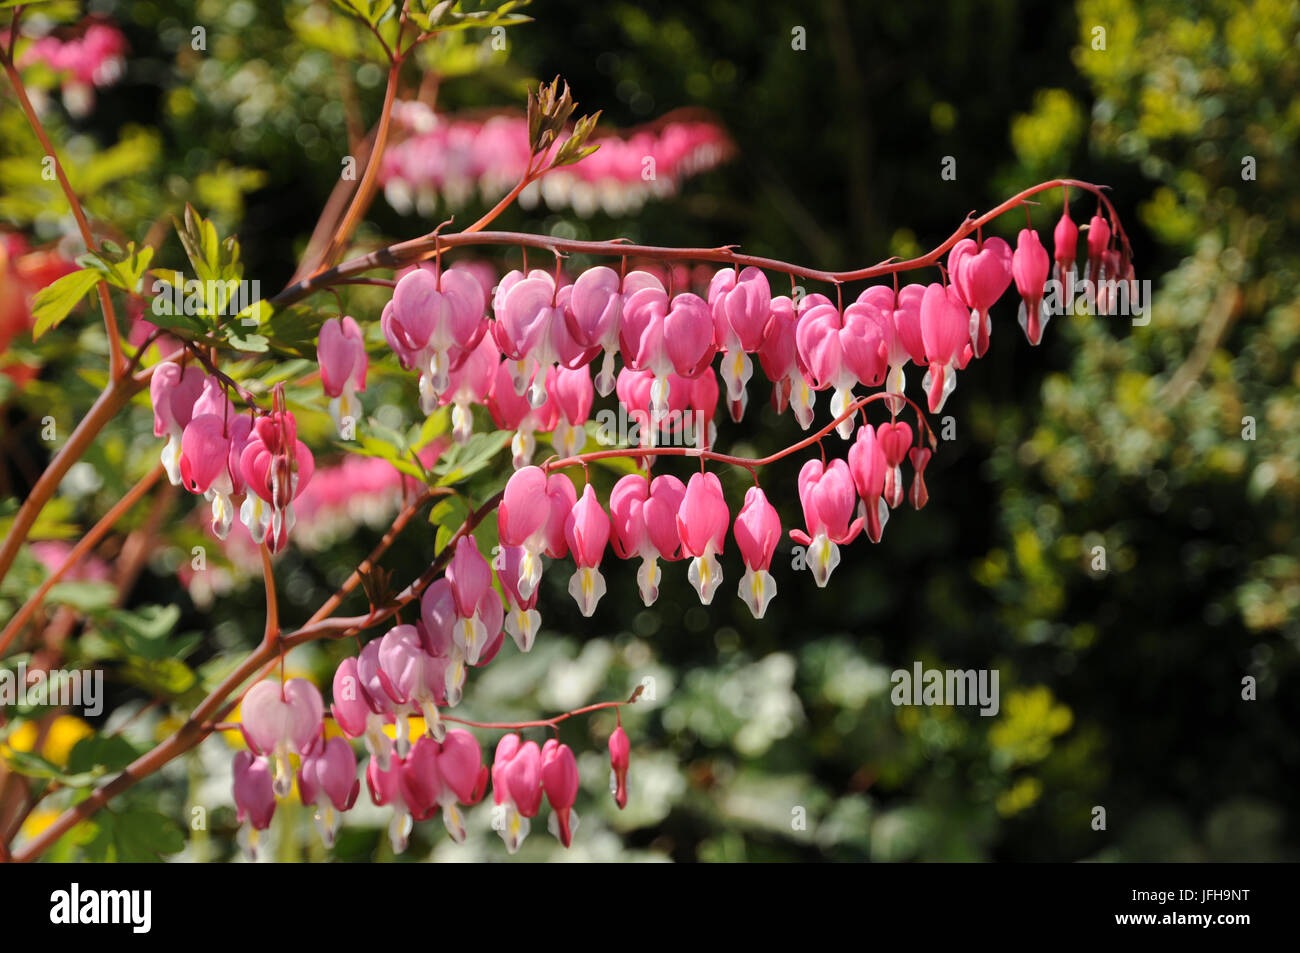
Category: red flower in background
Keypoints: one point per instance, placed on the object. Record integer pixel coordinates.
(23, 272)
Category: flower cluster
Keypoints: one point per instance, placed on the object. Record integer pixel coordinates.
(405, 673)
(93, 59)
(455, 158)
(224, 455)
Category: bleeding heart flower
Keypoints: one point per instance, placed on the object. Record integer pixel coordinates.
(779, 357)
(560, 783)
(532, 515)
(173, 392)
(826, 493)
(511, 411)
(341, 353)
(1065, 238)
(980, 273)
(516, 788)
(644, 522)
(279, 720)
(254, 798)
(666, 339)
(593, 317)
(945, 331)
(757, 531)
(587, 531)
(702, 526)
(741, 302)
(572, 393)
(327, 781)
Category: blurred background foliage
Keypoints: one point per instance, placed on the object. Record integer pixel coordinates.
(1174, 445)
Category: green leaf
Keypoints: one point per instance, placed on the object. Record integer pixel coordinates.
(448, 516)
(83, 596)
(212, 258)
(34, 766)
(462, 462)
(169, 676)
(244, 341)
(120, 268)
(105, 752)
(54, 302)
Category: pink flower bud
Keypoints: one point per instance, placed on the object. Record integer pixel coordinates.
(1030, 266)
(341, 352)
(1065, 237)
(619, 757)
(919, 495)
(1098, 238)
(560, 782)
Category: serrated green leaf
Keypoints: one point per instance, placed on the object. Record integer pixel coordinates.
(462, 462)
(54, 302)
